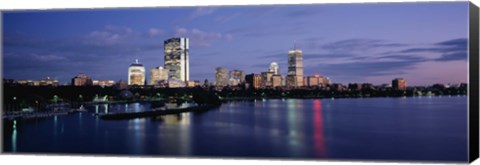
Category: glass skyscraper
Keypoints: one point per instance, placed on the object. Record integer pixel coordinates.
(176, 58)
(295, 68)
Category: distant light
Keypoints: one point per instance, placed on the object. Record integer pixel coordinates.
(14, 98)
(317, 75)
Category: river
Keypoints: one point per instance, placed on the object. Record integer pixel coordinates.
(415, 128)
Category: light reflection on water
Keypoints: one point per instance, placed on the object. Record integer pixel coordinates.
(387, 128)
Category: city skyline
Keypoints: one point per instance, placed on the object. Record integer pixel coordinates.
(415, 46)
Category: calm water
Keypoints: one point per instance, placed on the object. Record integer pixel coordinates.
(375, 128)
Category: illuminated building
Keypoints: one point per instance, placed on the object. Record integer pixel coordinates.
(295, 68)
(136, 74)
(191, 84)
(399, 84)
(277, 80)
(43, 82)
(173, 83)
(81, 80)
(317, 80)
(103, 83)
(236, 77)
(274, 68)
(254, 80)
(221, 77)
(176, 58)
(267, 79)
(158, 74)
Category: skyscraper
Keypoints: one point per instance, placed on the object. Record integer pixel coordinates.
(274, 68)
(295, 68)
(221, 77)
(236, 77)
(254, 80)
(176, 58)
(136, 74)
(158, 74)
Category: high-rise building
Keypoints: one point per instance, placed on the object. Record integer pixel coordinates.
(254, 80)
(81, 80)
(295, 68)
(399, 84)
(221, 77)
(277, 80)
(267, 79)
(274, 68)
(176, 58)
(136, 74)
(236, 77)
(158, 74)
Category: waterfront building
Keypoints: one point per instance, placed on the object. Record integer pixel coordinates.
(267, 79)
(103, 83)
(399, 84)
(191, 84)
(136, 74)
(221, 77)
(295, 68)
(158, 74)
(176, 58)
(277, 80)
(313, 81)
(42, 82)
(274, 68)
(236, 77)
(174, 83)
(81, 80)
(254, 80)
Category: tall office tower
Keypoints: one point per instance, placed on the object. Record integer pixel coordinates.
(158, 74)
(81, 80)
(274, 68)
(295, 68)
(221, 77)
(176, 58)
(399, 84)
(236, 77)
(136, 74)
(254, 80)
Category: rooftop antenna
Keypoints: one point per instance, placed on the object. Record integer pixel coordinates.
(294, 44)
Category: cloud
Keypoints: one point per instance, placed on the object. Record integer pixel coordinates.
(450, 50)
(226, 18)
(111, 35)
(47, 58)
(201, 38)
(154, 32)
(201, 11)
(358, 45)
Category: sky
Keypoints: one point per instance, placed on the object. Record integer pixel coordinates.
(425, 43)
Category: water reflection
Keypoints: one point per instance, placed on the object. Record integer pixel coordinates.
(318, 139)
(137, 126)
(14, 137)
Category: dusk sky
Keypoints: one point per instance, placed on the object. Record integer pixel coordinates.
(425, 43)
